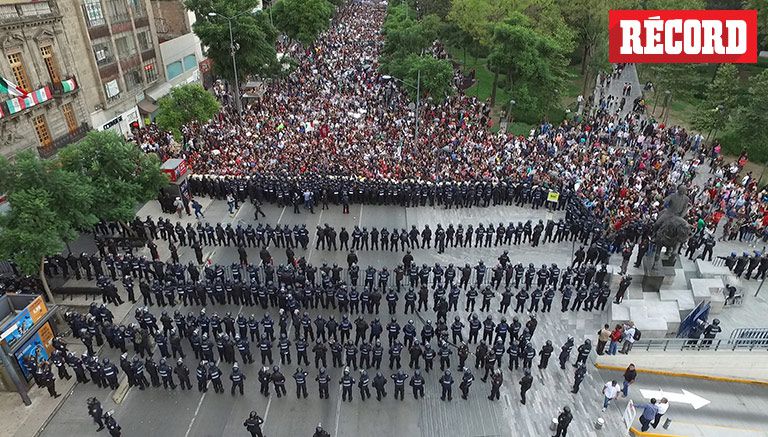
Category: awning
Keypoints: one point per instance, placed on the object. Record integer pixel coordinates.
(159, 91)
(147, 106)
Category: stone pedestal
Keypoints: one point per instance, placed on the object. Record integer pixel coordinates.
(662, 273)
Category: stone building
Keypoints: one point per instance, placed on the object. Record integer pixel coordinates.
(39, 56)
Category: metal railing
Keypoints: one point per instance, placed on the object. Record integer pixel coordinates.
(688, 344)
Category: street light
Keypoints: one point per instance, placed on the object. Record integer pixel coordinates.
(232, 48)
(418, 97)
(512, 104)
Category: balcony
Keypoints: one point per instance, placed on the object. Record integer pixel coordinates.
(141, 21)
(97, 32)
(146, 55)
(66, 86)
(59, 143)
(18, 105)
(108, 71)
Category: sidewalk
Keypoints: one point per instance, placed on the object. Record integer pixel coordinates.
(685, 429)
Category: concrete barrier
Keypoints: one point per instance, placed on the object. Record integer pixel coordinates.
(742, 367)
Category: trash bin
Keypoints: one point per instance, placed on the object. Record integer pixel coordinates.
(553, 425)
(599, 423)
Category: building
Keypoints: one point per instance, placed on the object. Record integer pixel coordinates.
(180, 49)
(123, 56)
(38, 55)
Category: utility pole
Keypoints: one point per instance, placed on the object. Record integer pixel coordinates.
(232, 49)
(418, 99)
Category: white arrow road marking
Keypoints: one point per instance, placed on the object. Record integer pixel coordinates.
(686, 397)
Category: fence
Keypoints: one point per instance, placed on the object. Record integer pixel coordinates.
(684, 344)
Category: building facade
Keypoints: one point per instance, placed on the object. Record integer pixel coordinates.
(38, 56)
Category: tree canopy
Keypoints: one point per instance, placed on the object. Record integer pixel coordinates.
(720, 101)
(302, 20)
(121, 174)
(252, 33)
(185, 104)
(752, 117)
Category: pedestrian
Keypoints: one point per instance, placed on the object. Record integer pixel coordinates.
(629, 378)
(563, 420)
(662, 407)
(525, 385)
(111, 424)
(616, 336)
(629, 337)
(603, 336)
(253, 424)
(649, 414)
(610, 392)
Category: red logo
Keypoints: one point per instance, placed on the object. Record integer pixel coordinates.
(727, 36)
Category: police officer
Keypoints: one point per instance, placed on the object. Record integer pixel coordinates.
(322, 382)
(253, 424)
(525, 385)
(579, 375)
(182, 372)
(497, 379)
(95, 411)
(399, 379)
(346, 383)
(264, 379)
(166, 374)
(301, 382)
(214, 374)
(417, 384)
(278, 380)
(379, 382)
(446, 383)
(466, 383)
(563, 420)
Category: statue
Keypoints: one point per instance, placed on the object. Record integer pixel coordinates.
(671, 229)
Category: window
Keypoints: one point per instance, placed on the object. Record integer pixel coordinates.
(145, 40)
(125, 46)
(43, 134)
(69, 117)
(103, 52)
(174, 69)
(117, 11)
(190, 62)
(94, 16)
(112, 88)
(132, 79)
(19, 72)
(137, 6)
(50, 64)
(35, 9)
(8, 11)
(150, 70)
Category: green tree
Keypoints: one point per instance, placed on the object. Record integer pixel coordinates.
(534, 63)
(752, 117)
(122, 174)
(762, 20)
(253, 35)
(31, 231)
(441, 8)
(49, 205)
(405, 35)
(302, 20)
(721, 99)
(185, 104)
(436, 76)
(589, 20)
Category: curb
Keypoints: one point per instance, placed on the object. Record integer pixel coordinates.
(686, 375)
(634, 431)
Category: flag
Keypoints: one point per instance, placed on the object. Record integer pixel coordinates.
(8, 87)
(68, 85)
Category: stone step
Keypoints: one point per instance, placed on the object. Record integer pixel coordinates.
(703, 288)
(706, 270)
(683, 297)
(620, 313)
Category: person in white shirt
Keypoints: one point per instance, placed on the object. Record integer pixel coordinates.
(610, 392)
(663, 405)
(629, 338)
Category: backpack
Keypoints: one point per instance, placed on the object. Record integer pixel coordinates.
(637, 335)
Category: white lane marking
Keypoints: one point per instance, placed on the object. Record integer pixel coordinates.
(338, 415)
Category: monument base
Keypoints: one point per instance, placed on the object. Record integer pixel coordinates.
(663, 273)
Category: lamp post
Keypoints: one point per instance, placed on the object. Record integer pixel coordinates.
(512, 104)
(665, 111)
(232, 49)
(418, 97)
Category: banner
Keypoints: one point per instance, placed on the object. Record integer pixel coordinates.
(38, 347)
(12, 331)
(553, 196)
